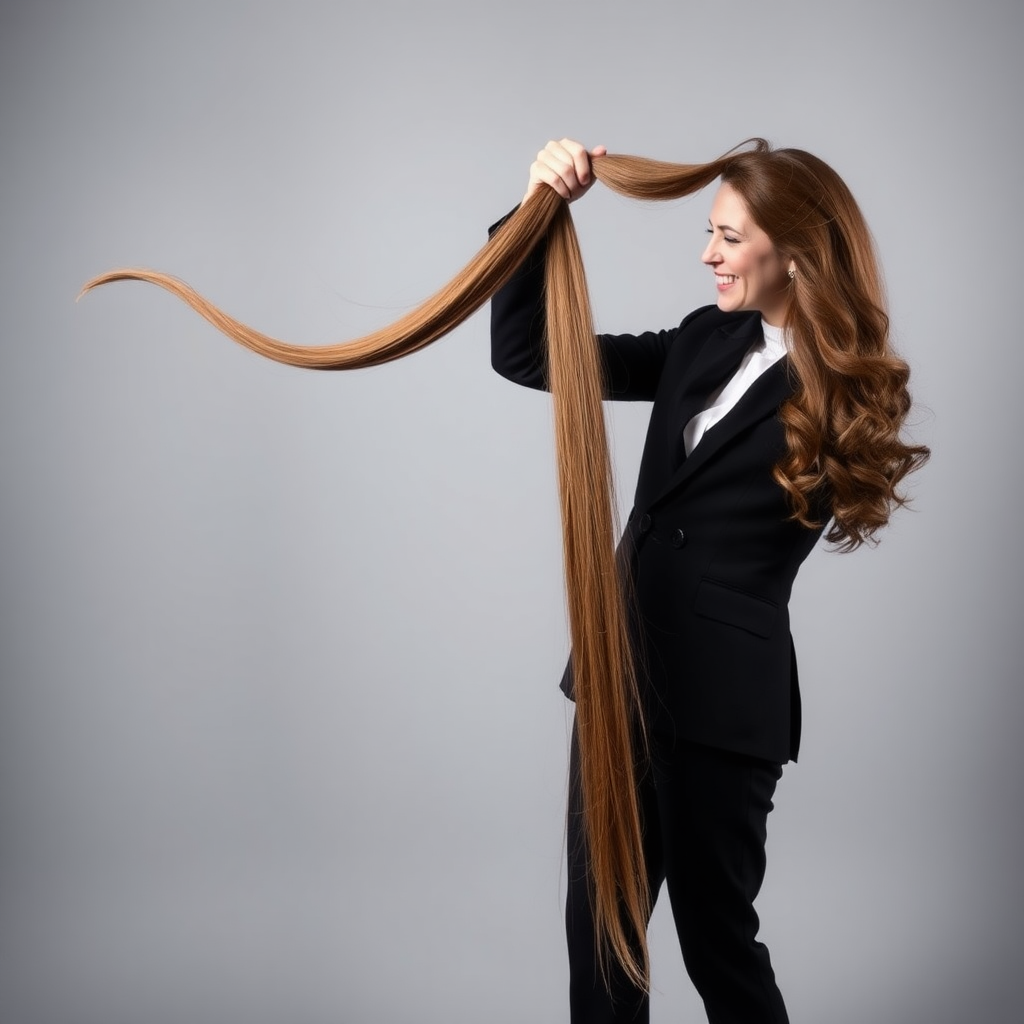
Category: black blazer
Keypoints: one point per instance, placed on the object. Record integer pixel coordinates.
(710, 545)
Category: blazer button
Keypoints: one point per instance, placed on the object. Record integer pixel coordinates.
(678, 538)
(645, 523)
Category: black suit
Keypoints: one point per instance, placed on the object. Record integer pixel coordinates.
(713, 555)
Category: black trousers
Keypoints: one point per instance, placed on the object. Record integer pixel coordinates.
(704, 815)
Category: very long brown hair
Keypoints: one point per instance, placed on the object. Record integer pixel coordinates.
(843, 428)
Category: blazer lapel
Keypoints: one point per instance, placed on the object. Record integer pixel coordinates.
(761, 399)
(721, 356)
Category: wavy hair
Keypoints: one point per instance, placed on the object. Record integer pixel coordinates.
(843, 430)
(843, 424)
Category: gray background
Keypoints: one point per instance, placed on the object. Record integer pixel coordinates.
(279, 734)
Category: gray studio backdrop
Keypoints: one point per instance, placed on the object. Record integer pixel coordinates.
(279, 733)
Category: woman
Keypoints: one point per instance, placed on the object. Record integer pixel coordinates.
(775, 414)
(775, 411)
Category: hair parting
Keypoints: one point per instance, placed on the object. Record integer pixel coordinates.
(844, 451)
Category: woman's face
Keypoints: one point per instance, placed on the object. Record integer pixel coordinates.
(749, 272)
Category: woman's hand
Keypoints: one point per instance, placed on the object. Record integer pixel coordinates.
(565, 166)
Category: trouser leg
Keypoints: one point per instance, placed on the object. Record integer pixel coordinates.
(591, 1001)
(713, 810)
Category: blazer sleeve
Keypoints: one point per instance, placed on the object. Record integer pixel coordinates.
(632, 363)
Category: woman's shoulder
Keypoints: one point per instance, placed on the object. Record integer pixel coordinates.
(712, 316)
(709, 318)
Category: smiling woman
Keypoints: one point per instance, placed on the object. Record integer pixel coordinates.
(750, 273)
(696, 668)
(773, 414)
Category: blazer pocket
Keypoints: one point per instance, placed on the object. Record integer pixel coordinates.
(734, 607)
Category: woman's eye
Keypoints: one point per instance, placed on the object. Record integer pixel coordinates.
(731, 241)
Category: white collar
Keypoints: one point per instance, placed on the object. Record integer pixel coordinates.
(774, 340)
